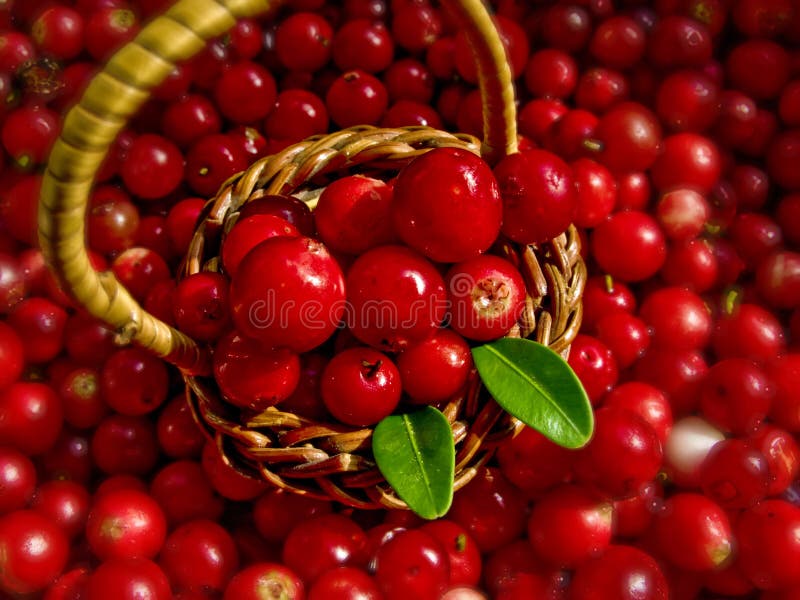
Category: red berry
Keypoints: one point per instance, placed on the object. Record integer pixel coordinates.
(360, 386)
(539, 201)
(245, 93)
(17, 479)
(153, 167)
(486, 296)
(412, 564)
(355, 98)
(299, 305)
(435, 369)
(768, 544)
(128, 579)
(125, 523)
(264, 579)
(35, 552)
(629, 246)
(620, 573)
(30, 417)
(446, 205)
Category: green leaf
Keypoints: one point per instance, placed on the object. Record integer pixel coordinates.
(537, 386)
(416, 454)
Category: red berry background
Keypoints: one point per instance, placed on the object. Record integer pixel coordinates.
(668, 132)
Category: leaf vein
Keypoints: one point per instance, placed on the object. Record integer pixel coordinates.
(418, 457)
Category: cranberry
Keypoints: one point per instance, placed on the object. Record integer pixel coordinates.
(759, 68)
(35, 552)
(323, 542)
(486, 296)
(211, 160)
(533, 463)
(298, 114)
(676, 41)
(200, 305)
(245, 93)
(13, 287)
(184, 493)
(626, 335)
(594, 364)
(82, 400)
(17, 479)
(514, 571)
(435, 369)
(303, 42)
(619, 433)
(15, 50)
(28, 133)
(352, 214)
(68, 458)
(551, 73)
(124, 444)
(342, 583)
(599, 89)
(409, 79)
(58, 32)
(288, 208)
(190, 118)
(782, 455)
(749, 331)
(755, 236)
(768, 545)
(682, 213)
(108, 29)
(687, 101)
(199, 555)
(645, 400)
(153, 167)
(125, 524)
(12, 355)
(784, 372)
(113, 220)
(263, 579)
(570, 525)
(139, 269)
(603, 296)
(634, 514)
(253, 375)
(134, 382)
(362, 44)
(178, 434)
(66, 503)
(406, 290)
(620, 573)
(735, 474)
(412, 564)
(628, 137)
(570, 136)
(490, 509)
(629, 246)
(40, 326)
(277, 512)
(303, 275)
(31, 417)
(678, 319)
(360, 386)
(463, 556)
(691, 265)
(430, 216)
(536, 117)
(618, 42)
(693, 532)
(416, 26)
(356, 97)
(595, 192)
(128, 579)
(676, 373)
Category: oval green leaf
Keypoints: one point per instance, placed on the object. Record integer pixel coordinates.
(416, 454)
(538, 387)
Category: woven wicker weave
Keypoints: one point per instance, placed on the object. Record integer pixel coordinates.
(327, 460)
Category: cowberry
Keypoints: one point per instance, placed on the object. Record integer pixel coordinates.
(629, 246)
(31, 417)
(768, 544)
(355, 98)
(275, 310)
(261, 578)
(17, 479)
(533, 463)
(735, 474)
(539, 201)
(412, 564)
(184, 493)
(128, 579)
(153, 167)
(245, 93)
(620, 573)
(447, 205)
(435, 369)
(360, 386)
(35, 552)
(303, 42)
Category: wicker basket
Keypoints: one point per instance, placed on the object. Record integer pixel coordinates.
(327, 460)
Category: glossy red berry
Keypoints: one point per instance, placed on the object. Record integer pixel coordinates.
(277, 512)
(134, 381)
(435, 369)
(17, 479)
(360, 386)
(211, 160)
(66, 503)
(40, 325)
(412, 564)
(264, 579)
(128, 579)
(678, 319)
(620, 573)
(687, 159)
(629, 246)
(735, 474)
(626, 335)
(200, 305)
(619, 433)
(322, 543)
(464, 558)
(353, 214)
(748, 331)
(35, 552)
(355, 98)
(12, 355)
(533, 463)
(253, 375)
(396, 298)
(245, 93)
(539, 201)
(153, 167)
(199, 554)
(768, 545)
(124, 444)
(184, 493)
(629, 138)
(570, 525)
(125, 523)
(486, 297)
(447, 205)
(299, 304)
(303, 42)
(31, 417)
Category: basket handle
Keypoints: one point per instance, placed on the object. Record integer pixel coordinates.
(115, 95)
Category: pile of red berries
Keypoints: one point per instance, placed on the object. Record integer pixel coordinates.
(668, 132)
